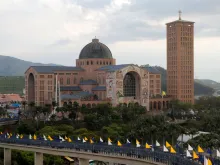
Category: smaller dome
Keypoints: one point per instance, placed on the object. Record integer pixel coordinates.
(95, 49)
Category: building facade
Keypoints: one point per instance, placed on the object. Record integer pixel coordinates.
(95, 79)
(180, 60)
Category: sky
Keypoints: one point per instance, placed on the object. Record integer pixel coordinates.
(55, 31)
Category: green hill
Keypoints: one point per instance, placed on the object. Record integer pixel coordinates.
(199, 89)
(209, 83)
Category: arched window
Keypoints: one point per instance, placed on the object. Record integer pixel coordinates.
(81, 79)
(87, 62)
(103, 62)
(129, 85)
(61, 81)
(100, 62)
(97, 62)
(68, 81)
(74, 80)
(91, 62)
(110, 63)
(107, 63)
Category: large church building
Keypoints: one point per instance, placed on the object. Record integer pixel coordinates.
(97, 78)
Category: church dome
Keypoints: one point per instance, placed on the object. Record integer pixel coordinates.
(95, 49)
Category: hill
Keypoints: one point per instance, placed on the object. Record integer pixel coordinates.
(10, 66)
(209, 83)
(199, 88)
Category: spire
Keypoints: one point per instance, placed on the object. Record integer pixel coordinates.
(180, 12)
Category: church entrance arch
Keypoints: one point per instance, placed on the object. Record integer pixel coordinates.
(31, 88)
(131, 85)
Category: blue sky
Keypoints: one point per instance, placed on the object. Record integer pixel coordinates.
(54, 31)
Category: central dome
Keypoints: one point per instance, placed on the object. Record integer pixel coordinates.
(95, 49)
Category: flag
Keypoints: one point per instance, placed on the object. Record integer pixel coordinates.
(69, 140)
(168, 144)
(128, 141)
(109, 141)
(190, 148)
(147, 146)
(21, 136)
(50, 138)
(157, 144)
(66, 138)
(137, 143)
(17, 136)
(172, 150)
(30, 137)
(100, 139)
(35, 137)
(44, 137)
(78, 138)
(165, 149)
(188, 154)
(209, 162)
(85, 138)
(91, 141)
(119, 143)
(200, 150)
(195, 156)
(10, 134)
(217, 153)
(163, 93)
(1, 133)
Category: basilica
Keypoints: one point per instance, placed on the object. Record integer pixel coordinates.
(96, 79)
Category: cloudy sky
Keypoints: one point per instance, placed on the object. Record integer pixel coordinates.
(54, 31)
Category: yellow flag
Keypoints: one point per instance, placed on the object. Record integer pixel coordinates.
(119, 143)
(147, 146)
(195, 156)
(69, 140)
(1, 133)
(10, 134)
(168, 144)
(91, 141)
(172, 150)
(35, 137)
(209, 162)
(109, 140)
(163, 93)
(200, 150)
(137, 142)
(50, 138)
(21, 136)
(66, 138)
(85, 138)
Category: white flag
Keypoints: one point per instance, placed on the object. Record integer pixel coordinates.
(205, 161)
(138, 145)
(60, 137)
(157, 144)
(188, 154)
(30, 137)
(17, 136)
(79, 138)
(44, 137)
(101, 140)
(84, 140)
(190, 148)
(165, 149)
(109, 143)
(217, 153)
(128, 141)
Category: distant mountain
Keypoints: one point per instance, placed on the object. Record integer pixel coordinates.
(10, 66)
(199, 88)
(209, 83)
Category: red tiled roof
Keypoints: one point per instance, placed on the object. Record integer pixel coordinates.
(10, 97)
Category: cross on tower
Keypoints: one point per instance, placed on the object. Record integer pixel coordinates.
(180, 12)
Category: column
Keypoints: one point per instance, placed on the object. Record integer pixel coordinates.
(7, 156)
(38, 158)
(83, 161)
